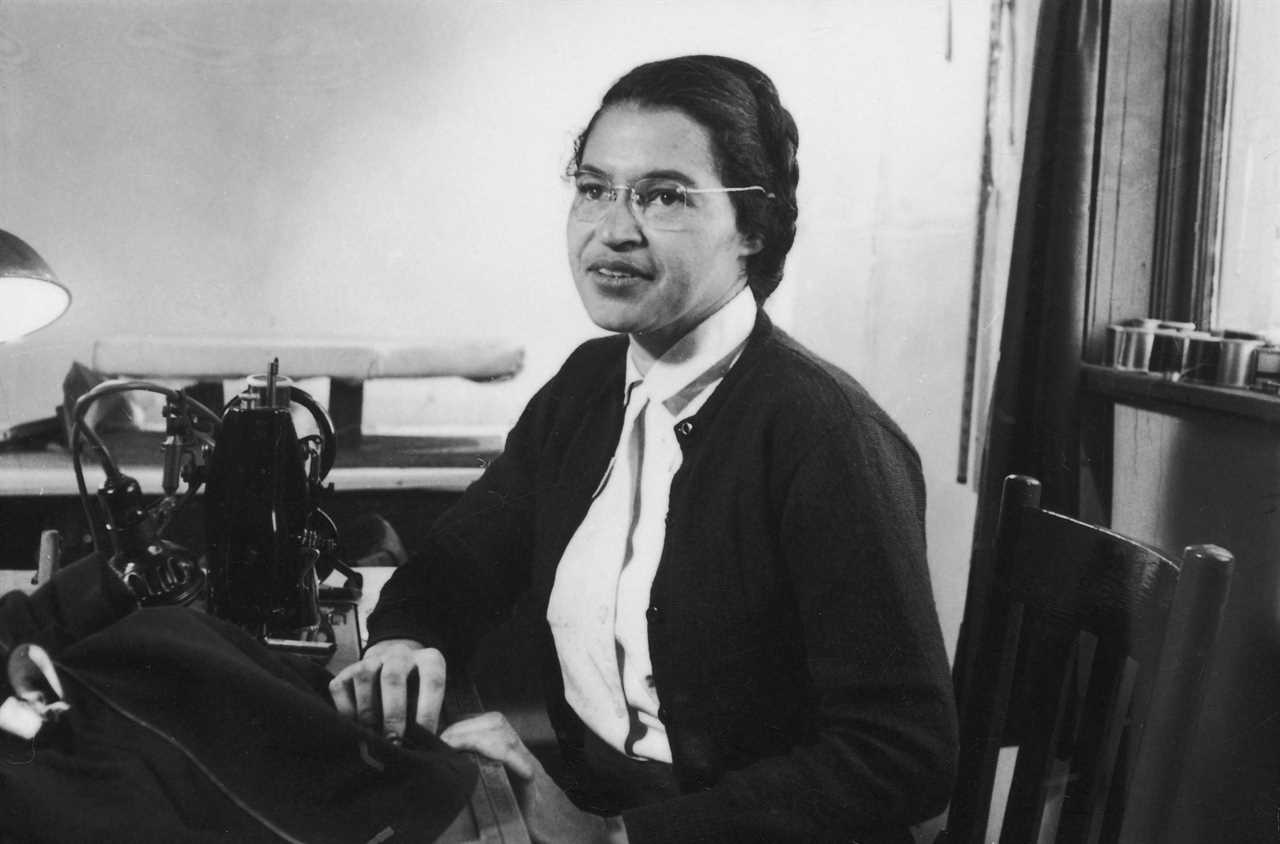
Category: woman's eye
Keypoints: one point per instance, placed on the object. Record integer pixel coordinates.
(664, 196)
(591, 190)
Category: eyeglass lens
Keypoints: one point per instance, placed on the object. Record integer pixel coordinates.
(659, 203)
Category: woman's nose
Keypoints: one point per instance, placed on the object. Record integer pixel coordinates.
(620, 225)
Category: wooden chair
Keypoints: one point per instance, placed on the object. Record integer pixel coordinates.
(1092, 658)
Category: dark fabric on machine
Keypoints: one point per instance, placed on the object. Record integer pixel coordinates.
(184, 728)
(793, 635)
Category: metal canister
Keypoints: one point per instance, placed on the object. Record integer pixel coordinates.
(1129, 344)
(1203, 352)
(1169, 353)
(1236, 363)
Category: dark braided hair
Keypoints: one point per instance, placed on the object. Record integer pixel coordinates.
(753, 142)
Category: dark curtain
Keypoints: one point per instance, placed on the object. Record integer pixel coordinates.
(1034, 419)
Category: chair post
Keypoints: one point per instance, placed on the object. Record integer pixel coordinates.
(982, 718)
(1019, 492)
(1177, 688)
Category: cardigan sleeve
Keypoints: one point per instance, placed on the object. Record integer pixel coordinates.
(881, 755)
(474, 564)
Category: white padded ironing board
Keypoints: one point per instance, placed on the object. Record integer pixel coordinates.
(226, 357)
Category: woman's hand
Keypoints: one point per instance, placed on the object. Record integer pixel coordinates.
(377, 690)
(548, 812)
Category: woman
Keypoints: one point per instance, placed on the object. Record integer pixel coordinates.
(724, 534)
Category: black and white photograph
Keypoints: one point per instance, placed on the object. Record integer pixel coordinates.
(577, 422)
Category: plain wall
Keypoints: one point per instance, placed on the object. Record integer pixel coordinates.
(391, 168)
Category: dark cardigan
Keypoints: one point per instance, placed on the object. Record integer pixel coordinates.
(793, 635)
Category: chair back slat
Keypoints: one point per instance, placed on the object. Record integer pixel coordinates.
(1103, 720)
(981, 731)
(1091, 579)
(1039, 774)
(1092, 652)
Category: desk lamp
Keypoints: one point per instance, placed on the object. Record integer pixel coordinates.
(158, 571)
(30, 299)
(30, 296)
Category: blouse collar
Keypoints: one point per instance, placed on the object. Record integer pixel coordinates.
(698, 358)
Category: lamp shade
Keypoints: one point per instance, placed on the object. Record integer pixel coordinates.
(30, 296)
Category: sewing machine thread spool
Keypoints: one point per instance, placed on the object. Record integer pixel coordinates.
(1235, 366)
(1203, 352)
(270, 390)
(1131, 346)
(1168, 353)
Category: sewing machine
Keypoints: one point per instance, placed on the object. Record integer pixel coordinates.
(269, 542)
(270, 546)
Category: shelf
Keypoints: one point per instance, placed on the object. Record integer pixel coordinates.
(1156, 393)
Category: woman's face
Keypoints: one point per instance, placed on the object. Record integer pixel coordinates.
(655, 285)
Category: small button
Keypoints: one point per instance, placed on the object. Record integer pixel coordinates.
(653, 614)
(684, 428)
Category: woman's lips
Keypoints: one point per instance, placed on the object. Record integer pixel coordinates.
(616, 276)
(619, 270)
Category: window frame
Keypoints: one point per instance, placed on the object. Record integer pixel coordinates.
(1159, 259)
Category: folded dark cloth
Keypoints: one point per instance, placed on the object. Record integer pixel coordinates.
(183, 728)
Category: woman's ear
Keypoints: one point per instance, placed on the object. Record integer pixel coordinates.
(753, 243)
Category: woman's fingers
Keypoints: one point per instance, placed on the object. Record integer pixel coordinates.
(363, 682)
(431, 682)
(377, 690)
(393, 692)
(493, 737)
(343, 695)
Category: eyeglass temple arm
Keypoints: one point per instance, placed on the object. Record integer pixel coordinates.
(760, 188)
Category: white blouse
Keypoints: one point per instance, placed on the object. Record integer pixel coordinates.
(601, 592)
